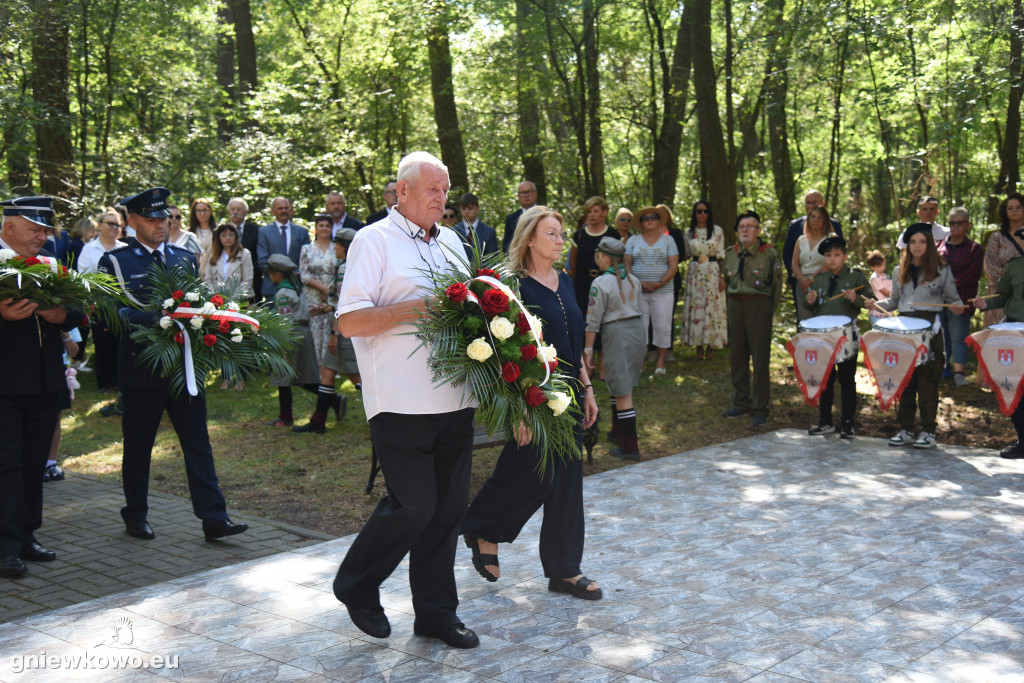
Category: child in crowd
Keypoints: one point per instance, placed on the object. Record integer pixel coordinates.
(837, 291)
(614, 312)
(288, 302)
(922, 286)
(881, 284)
(72, 339)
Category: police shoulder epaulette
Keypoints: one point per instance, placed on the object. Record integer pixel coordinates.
(118, 249)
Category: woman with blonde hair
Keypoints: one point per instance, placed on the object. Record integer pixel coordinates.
(807, 262)
(623, 220)
(516, 490)
(202, 223)
(82, 232)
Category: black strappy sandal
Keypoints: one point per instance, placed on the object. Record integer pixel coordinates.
(481, 560)
(576, 590)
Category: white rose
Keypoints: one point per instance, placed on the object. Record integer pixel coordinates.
(546, 354)
(166, 322)
(236, 335)
(502, 328)
(168, 304)
(479, 350)
(536, 325)
(196, 321)
(558, 402)
(232, 306)
(209, 308)
(192, 296)
(7, 254)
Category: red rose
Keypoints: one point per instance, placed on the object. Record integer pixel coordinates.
(510, 372)
(31, 261)
(552, 365)
(64, 271)
(178, 294)
(224, 326)
(535, 396)
(217, 300)
(457, 292)
(494, 301)
(209, 339)
(179, 337)
(488, 272)
(523, 324)
(528, 352)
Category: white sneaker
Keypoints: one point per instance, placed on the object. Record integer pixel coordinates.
(904, 438)
(925, 440)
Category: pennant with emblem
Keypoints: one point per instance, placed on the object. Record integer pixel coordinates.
(814, 356)
(891, 359)
(1001, 362)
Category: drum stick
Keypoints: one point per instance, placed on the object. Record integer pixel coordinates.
(843, 293)
(987, 296)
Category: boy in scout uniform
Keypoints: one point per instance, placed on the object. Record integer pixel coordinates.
(147, 392)
(837, 292)
(753, 276)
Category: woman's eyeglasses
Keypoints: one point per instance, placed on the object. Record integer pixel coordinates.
(701, 211)
(113, 224)
(449, 216)
(625, 219)
(175, 217)
(556, 236)
(649, 217)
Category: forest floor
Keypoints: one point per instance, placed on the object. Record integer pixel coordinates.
(318, 481)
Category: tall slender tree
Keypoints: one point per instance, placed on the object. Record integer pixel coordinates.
(54, 151)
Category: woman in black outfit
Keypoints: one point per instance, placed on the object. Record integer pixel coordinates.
(516, 489)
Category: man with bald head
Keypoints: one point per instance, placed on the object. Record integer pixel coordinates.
(812, 199)
(527, 196)
(31, 343)
(335, 207)
(280, 237)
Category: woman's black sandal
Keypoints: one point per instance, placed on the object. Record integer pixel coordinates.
(481, 560)
(577, 590)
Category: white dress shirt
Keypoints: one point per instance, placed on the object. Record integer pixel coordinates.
(91, 253)
(387, 264)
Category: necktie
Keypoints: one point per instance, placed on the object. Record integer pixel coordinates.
(469, 234)
(833, 281)
(158, 256)
(743, 258)
(913, 273)
(284, 236)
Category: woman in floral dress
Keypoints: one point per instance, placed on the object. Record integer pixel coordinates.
(317, 267)
(704, 299)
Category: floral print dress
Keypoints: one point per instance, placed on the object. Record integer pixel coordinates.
(322, 267)
(703, 303)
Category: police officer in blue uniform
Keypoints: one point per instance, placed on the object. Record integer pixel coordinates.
(31, 345)
(146, 393)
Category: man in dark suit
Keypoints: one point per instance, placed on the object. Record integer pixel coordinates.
(147, 392)
(280, 237)
(335, 204)
(248, 235)
(527, 196)
(812, 199)
(31, 344)
(390, 199)
(472, 230)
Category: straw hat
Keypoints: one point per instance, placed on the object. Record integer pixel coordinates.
(663, 215)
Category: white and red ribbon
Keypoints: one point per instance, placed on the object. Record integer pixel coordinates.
(230, 316)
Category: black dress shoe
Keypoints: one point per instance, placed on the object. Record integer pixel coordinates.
(37, 553)
(225, 527)
(456, 635)
(314, 427)
(372, 621)
(10, 565)
(1015, 451)
(139, 530)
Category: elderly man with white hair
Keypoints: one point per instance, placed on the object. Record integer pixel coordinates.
(248, 236)
(422, 433)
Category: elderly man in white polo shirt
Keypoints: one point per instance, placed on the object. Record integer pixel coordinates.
(422, 433)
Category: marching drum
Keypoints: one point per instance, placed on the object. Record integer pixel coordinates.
(1007, 326)
(919, 330)
(830, 323)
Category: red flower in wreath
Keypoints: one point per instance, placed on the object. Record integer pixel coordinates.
(487, 271)
(523, 325)
(494, 301)
(30, 261)
(457, 292)
(552, 365)
(224, 325)
(535, 396)
(209, 339)
(179, 337)
(178, 294)
(509, 371)
(217, 300)
(528, 352)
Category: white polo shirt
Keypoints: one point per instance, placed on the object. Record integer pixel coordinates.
(387, 264)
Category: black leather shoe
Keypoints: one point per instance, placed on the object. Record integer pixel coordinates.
(37, 553)
(225, 527)
(139, 530)
(340, 406)
(456, 635)
(372, 621)
(1015, 451)
(315, 427)
(10, 565)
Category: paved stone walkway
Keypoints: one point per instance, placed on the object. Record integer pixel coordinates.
(777, 558)
(95, 557)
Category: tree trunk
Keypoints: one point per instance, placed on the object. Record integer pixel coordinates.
(1009, 162)
(54, 152)
(675, 81)
(590, 15)
(446, 114)
(83, 103)
(529, 109)
(245, 47)
(835, 143)
(108, 70)
(778, 135)
(721, 185)
(225, 71)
